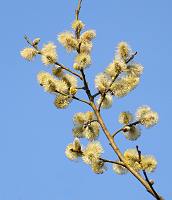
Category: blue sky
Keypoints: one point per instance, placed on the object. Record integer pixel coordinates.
(34, 133)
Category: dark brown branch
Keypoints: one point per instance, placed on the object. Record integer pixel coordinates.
(86, 85)
(56, 63)
(146, 177)
(67, 69)
(81, 100)
(77, 11)
(108, 89)
(121, 129)
(113, 162)
(132, 56)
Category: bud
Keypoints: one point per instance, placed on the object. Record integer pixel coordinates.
(151, 181)
(126, 128)
(36, 41)
(73, 90)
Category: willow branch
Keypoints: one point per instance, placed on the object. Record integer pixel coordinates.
(146, 176)
(121, 129)
(73, 97)
(104, 94)
(56, 63)
(81, 100)
(77, 11)
(67, 69)
(131, 58)
(86, 85)
(118, 152)
(113, 162)
(116, 132)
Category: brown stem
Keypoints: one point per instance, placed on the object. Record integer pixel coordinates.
(146, 177)
(111, 161)
(86, 86)
(56, 63)
(108, 89)
(121, 129)
(132, 56)
(67, 69)
(81, 100)
(118, 152)
(77, 11)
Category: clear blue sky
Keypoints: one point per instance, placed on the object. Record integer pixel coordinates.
(34, 133)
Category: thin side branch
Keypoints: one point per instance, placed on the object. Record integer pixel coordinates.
(77, 11)
(86, 85)
(81, 100)
(113, 162)
(121, 129)
(131, 58)
(146, 176)
(67, 69)
(108, 89)
(56, 63)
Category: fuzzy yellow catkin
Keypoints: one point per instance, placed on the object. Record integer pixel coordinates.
(68, 40)
(58, 72)
(149, 163)
(146, 116)
(83, 60)
(51, 84)
(43, 76)
(125, 117)
(102, 82)
(49, 55)
(85, 126)
(73, 91)
(47, 81)
(78, 131)
(107, 102)
(119, 169)
(88, 35)
(62, 101)
(123, 50)
(91, 131)
(78, 25)
(115, 68)
(82, 118)
(85, 46)
(133, 133)
(70, 80)
(124, 85)
(149, 119)
(132, 158)
(98, 166)
(28, 53)
(73, 150)
(92, 152)
(134, 69)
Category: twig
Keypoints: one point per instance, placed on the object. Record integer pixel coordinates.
(56, 63)
(81, 100)
(86, 85)
(121, 129)
(116, 132)
(77, 11)
(146, 177)
(104, 94)
(132, 56)
(67, 69)
(111, 161)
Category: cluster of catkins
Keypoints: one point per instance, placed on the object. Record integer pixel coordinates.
(118, 79)
(86, 126)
